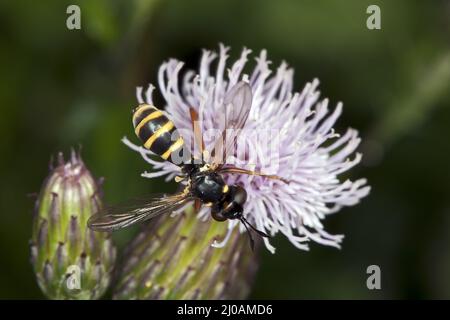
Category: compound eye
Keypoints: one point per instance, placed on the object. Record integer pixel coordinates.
(240, 195)
(233, 211)
(217, 214)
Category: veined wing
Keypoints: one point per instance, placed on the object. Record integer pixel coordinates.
(198, 135)
(121, 216)
(237, 105)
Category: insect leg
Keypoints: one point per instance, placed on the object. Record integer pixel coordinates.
(253, 173)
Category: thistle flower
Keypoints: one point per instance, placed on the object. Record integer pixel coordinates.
(70, 260)
(309, 152)
(173, 259)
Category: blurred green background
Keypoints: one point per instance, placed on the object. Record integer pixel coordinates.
(62, 88)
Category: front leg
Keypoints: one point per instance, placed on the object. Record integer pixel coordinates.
(252, 173)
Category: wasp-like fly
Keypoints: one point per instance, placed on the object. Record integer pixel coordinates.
(203, 179)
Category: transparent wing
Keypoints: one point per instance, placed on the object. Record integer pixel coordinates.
(198, 135)
(139, 210)
(237, 105)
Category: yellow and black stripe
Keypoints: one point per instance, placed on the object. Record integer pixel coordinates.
(156, 132)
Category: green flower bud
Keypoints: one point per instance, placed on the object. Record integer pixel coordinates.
(70, 260)
(172, 258)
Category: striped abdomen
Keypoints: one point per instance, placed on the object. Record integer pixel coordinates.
(156, 132)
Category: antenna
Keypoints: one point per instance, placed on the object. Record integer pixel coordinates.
(259, 232)
(252, 242)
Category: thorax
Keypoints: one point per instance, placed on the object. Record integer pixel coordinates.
(207, 185)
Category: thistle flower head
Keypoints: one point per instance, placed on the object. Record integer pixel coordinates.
(172, 258)
(70, 260)
(288, 133)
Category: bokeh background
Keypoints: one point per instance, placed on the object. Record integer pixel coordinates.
(61, 88)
